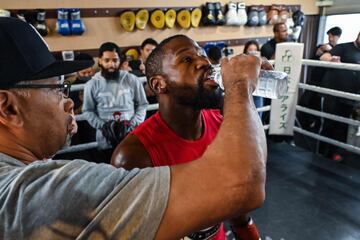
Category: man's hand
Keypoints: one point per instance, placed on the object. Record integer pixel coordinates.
(241, 69)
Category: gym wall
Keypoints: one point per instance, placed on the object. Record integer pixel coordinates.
(101, 28)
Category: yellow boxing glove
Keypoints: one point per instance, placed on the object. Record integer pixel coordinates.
(157, 19)
(196, 15)
(127, 21)
(184, 18)
(170, 18)
(141, 19)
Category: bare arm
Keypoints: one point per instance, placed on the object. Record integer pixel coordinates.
(234, 162)
(130, 153)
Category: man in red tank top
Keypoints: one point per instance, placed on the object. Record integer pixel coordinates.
(186, 122)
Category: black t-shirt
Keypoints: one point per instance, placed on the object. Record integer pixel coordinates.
(268, 49)
(347, 52)
(344, 80)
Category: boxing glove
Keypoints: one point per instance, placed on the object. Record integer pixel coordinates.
(262, 16)
(141, 19)
(247, 232)
(196, 15)
(21, 15)
(253, 16)
(219, 15)
(298, 18)
(132, 54)
(62, 24)
(232, 15)
(209, 18)
(283, 15)
(157, 19)
(241, 12)
(183, 18)
(40, 24)
(170, 18)
(76, 24)
(115, 131)
(4, 13)
(273, 14)
(127, 21)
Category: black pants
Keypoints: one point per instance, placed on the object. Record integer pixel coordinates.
(334, 129)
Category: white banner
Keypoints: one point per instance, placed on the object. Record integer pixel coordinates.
(288, 58)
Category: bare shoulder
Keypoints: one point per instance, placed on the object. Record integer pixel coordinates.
(131, 153)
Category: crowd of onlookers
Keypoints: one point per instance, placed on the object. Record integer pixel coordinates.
(122, 69)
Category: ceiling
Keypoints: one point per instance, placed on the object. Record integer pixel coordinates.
(343, 7)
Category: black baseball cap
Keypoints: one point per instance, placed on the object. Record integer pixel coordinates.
(25, 55)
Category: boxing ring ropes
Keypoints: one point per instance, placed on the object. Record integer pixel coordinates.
(306, 87)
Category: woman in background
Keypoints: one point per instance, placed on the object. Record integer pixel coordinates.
(252, 47)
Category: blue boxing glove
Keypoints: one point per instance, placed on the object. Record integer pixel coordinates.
(253, 16)
(76, 24)
(62, 24)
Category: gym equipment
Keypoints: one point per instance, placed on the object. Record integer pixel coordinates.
(141, 19)
(127, 20)
(157, 19)
(170, 18)
(183, 18)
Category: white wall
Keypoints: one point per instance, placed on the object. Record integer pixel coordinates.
(349, 23)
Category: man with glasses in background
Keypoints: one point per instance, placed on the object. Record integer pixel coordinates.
(58, 199)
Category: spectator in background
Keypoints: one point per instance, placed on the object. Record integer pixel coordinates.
(125, 66)
(312, 99)
(280, 35)
(333, 35)
(109, 93)
(343, 80)
(147, 46)
(252, 47)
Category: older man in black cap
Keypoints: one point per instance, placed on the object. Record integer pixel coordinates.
(48, 199)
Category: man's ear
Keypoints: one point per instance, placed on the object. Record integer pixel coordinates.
(10, 113)
(158, 84)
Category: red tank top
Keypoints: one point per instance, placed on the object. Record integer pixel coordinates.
(165, 148)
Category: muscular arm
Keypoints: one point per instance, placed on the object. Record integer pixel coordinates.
(130, 153)
(234, 163)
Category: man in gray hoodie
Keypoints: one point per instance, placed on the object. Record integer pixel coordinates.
(112, 93)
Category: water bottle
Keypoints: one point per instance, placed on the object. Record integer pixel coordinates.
(271, 84)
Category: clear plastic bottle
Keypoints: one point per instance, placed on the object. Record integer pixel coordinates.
(271, 84)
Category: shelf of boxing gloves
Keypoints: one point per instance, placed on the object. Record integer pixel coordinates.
(212, 14)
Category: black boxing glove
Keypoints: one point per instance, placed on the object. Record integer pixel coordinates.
(208, 16)
(115, 131)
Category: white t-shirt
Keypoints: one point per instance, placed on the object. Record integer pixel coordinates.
(60, 199)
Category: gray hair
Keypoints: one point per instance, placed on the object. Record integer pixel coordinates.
(22, 92)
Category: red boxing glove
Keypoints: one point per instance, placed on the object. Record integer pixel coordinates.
(246, 232)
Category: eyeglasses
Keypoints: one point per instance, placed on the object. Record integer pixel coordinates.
(64, 88)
